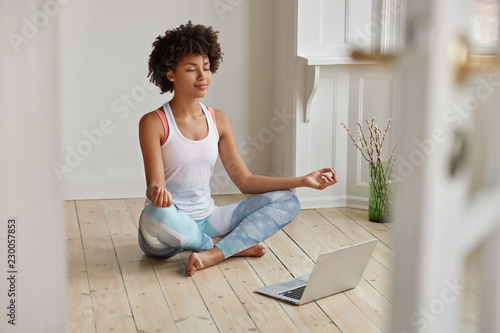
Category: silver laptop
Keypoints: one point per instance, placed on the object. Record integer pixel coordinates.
(335, 271)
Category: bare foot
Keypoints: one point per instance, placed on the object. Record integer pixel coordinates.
(258, 250)
(216, 240)
(203, 259)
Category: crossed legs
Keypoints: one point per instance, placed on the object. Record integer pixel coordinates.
(233, 230)
(254, 220)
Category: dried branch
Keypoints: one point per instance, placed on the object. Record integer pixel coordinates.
(355, 143)
(370, 146)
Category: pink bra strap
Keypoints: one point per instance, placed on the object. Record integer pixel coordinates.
(164, 121)
(212, 113)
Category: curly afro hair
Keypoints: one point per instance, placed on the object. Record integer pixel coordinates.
(185, 40)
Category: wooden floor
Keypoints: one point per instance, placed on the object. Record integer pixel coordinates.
(114, 287)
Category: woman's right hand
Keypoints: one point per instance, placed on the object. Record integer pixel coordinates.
(159, 196)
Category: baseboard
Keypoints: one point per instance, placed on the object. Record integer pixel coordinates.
(356, 202)
(308, 200)
(321, 202)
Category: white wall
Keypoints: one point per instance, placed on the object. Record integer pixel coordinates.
(283, 119)
(32, 234)
(104, 50)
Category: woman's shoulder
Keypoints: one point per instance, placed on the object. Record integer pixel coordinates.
(152, 115)
(151, 119)
(223, 122)
(220, 115)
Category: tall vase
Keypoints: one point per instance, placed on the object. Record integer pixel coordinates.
(381, 192)
(380, 201)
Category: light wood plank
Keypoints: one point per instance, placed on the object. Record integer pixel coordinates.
(295, 260)
(346, 315)
(143, 289)
(379, 277)
(373, 304)
(227, 311)
(79, 303)
(123, 231)
(379, 230)
(187, 306)
(111, 307)
(325, 234)
(382, 252)
(266, 313)
(135, 206)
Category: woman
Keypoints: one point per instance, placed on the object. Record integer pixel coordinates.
(180, 142)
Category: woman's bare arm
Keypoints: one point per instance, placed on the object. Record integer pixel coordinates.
(150, 137)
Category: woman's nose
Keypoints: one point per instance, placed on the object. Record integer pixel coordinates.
(201, 75)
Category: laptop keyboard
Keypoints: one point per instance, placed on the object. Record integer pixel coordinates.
(294, 293)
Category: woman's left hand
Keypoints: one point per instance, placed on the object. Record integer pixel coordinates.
(321, 179)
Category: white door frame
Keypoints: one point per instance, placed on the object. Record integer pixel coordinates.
(438, 221)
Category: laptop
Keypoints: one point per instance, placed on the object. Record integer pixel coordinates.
(334, 272)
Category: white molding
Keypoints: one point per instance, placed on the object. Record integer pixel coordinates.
(359, 158)
(313, 73)
(321, 201)
(361, 116)
(331, 60)
(352, 32)
(312, 81)
(322, 24)
(333, 202)
(357, 202)
(393, 29)
(335, 145)
(347, 21)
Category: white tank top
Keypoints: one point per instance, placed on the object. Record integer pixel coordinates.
(188, 166)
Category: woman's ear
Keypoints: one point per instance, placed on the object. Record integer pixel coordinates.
(170, 75)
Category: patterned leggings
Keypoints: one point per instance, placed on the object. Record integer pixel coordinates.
(164, 232)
